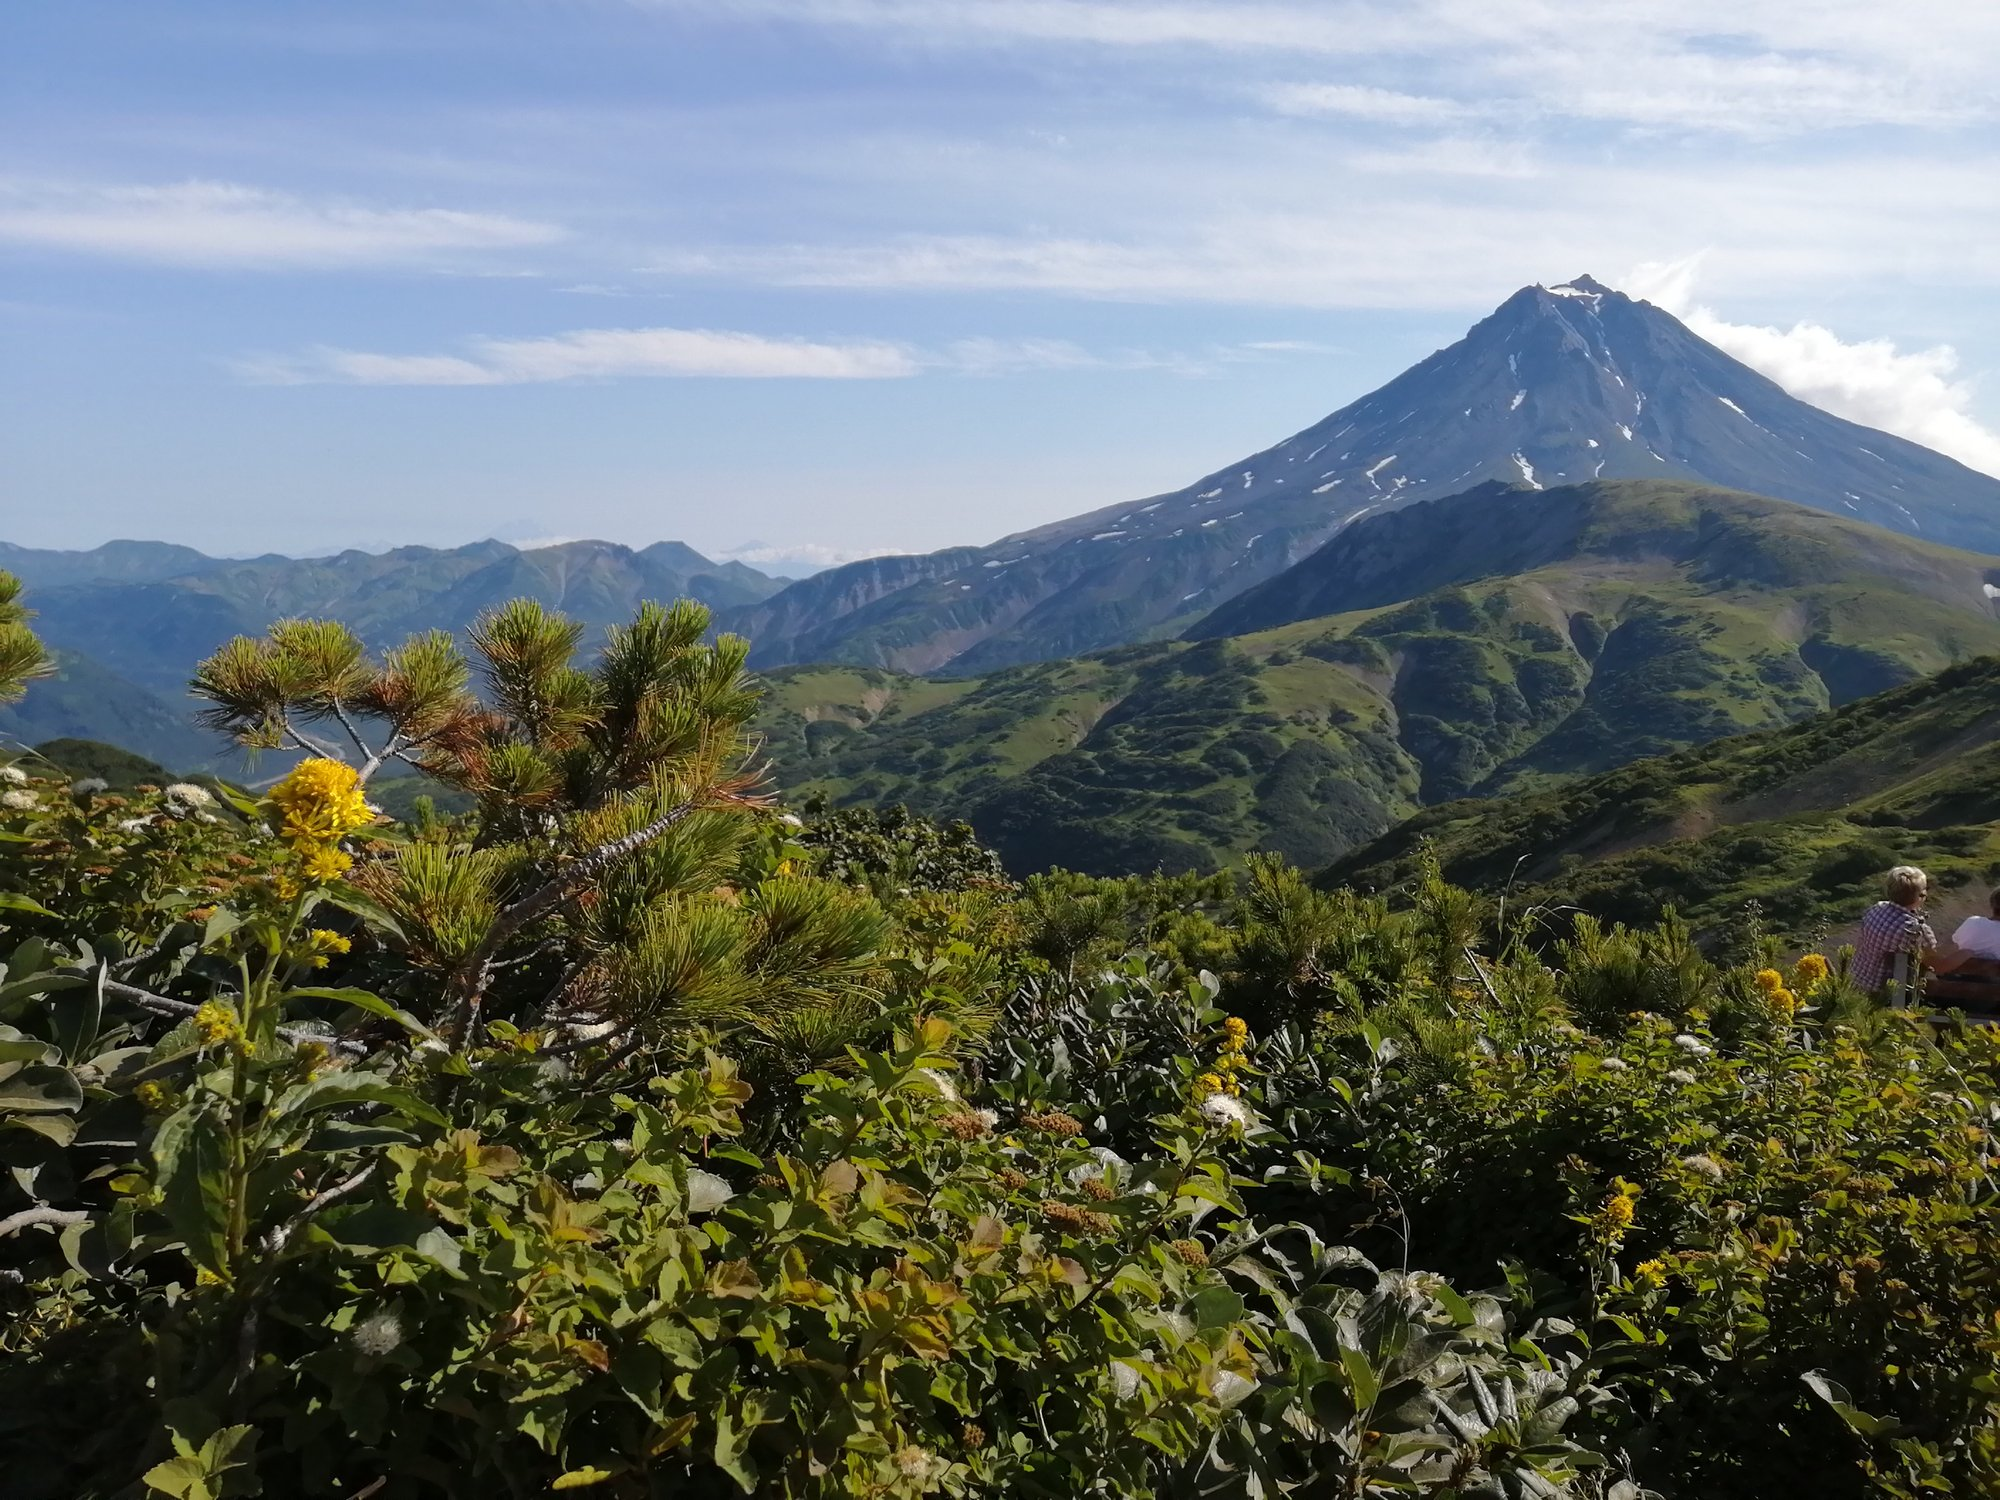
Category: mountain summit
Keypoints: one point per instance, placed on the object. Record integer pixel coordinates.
(1559, 385)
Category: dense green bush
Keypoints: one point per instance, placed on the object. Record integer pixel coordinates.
(622, 1135)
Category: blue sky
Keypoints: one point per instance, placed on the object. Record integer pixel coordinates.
(845, 276)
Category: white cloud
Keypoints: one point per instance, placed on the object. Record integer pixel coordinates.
(615, 353)
(221, 224)
(1916, 395)
(595, 354)
(1363, 102)
(798, 559)
(1778, 67)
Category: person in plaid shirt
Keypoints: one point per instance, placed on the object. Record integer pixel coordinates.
(1892, 926)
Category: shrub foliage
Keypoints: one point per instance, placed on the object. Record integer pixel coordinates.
(625, 1134)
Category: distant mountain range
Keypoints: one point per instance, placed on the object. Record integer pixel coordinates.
(129, 620)
(1483, 643)
(1559, 385)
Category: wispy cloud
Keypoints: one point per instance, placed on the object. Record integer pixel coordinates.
(1780, 67)
(228, 225)
(1363, 102)
(1915, 394)
(595, 354)
(627, 353)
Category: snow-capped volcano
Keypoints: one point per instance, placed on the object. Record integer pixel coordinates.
(1559, 385)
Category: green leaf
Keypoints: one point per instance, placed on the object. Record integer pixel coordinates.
(1215, 1307)
(77, 1018)
(337, 1090)
(1363, 1384)
(190, 1157)
(38, 1088)
(15, 901)
(39, 984)
(350, 900)
(363, 1000)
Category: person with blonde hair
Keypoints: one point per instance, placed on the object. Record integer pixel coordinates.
(1892, 927)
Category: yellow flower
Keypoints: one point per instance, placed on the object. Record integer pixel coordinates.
(1810, 970)
(154, 1096)
(1237, 1030)
(1614, 1216)
(320, 802)
(1770, 980)
(1208, 1083)
(1783, 1003)
(322, 943)
(1650, 1272)
(215, 1023)
(325, 863)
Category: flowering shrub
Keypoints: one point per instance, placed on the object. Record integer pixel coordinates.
(595, 1142)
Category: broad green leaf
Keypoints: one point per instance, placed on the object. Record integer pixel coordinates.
(15, 901)
(77, 1016)
(363, 1000)
(336, 1090)
(584, 1478)
(38, 1088)
(190, 1157)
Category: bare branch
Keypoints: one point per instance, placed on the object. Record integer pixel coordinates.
(354, 734)
(28, 1217)
(180, 1010)
(281, 1234)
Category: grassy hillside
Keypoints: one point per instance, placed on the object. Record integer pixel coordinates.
(1804, 819)
(1321, 734)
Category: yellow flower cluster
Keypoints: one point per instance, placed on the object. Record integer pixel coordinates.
(1221, 1078)
(322, 943)
(216, 1024)
(317, 806)
(1614, 1215)
(1809, 971)
(1782, 1002)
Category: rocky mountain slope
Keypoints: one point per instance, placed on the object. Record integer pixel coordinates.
(1560, 385)
(1640, 617)
(1802, 820)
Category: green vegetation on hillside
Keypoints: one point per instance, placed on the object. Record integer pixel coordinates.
(1671, 616)
(625, 1134)
(1802, 820)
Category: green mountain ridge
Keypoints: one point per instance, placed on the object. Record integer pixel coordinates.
(1653, 616)
(1803, 820)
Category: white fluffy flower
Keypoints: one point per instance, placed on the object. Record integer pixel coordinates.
(990, 1118)
(1107, 1164)
(938, 1081)
(13, 775)
(707, 1192)
(791, 820)
(90, 786)
(132, 825)
(189, 795)
(1221, 1109)
(1615, 1065)
(377, 1334)
(19, 801)
(1679, 1075)
(1703, 1165)
(1692, 1045)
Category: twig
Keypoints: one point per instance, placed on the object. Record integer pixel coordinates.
(477, 970)
(27, 1218)
(180, 1010)
(1480, 970)
(360, 745)
(281, 1234)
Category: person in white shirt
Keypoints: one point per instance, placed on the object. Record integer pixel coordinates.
(1980, 936)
